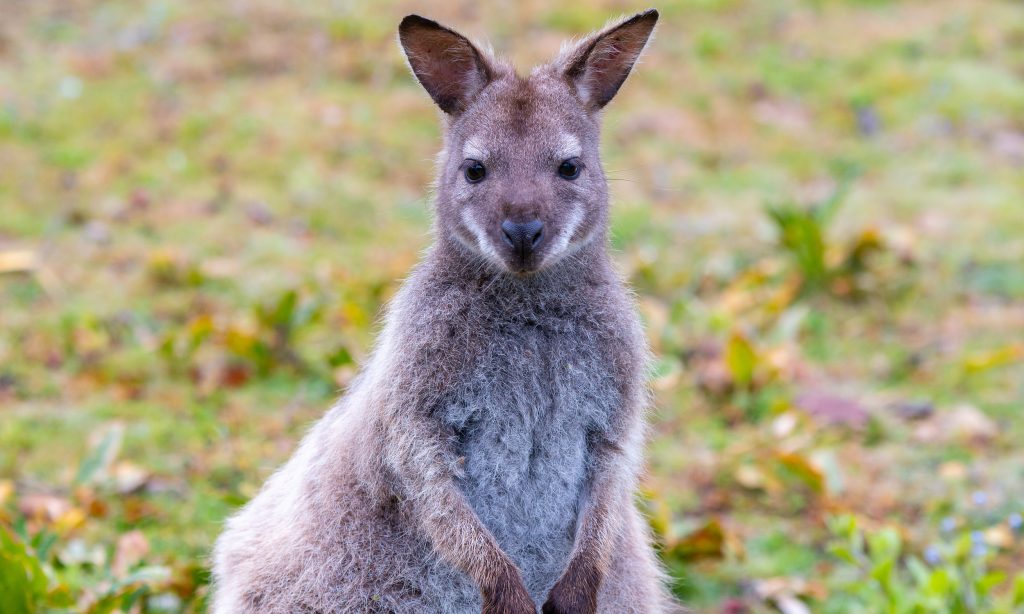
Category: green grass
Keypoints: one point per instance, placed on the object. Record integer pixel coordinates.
(218, 200)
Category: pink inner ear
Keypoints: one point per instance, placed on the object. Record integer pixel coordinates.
(446, 64)
(607, 68)
(607, 56)
(600, 65)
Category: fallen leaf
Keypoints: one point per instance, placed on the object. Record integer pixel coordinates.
(964, 423)
(750, 476)
(741, 359)
(234, 375)
(804, 470)
(129, 477)
(707, 542)
(69, 521)
(999, 536)
(18, 261)
(991, 359)
(772, 589)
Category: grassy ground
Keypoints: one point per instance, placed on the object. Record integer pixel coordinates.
(204, 206)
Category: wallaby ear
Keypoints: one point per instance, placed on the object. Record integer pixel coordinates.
(598, 65)
(445, 63)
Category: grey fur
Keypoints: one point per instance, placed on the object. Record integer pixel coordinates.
(494, 439)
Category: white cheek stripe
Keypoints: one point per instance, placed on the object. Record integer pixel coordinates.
(482, 243)
(570, 229)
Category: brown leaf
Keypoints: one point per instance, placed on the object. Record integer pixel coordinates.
(137, 509)
(804, 470)
(234, 375)
(129, 477)
(707, 542)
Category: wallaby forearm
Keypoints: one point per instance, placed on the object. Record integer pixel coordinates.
(601, 522)
(456, 533)
(426, 469)
(617, 463)
(601, 519)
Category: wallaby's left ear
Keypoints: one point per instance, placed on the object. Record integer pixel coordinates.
(599, 64)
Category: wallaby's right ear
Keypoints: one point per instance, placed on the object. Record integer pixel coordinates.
(448, 66)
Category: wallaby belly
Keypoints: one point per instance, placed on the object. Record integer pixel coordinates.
(523, 420)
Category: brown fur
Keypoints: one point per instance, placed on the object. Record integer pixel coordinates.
(487, 457)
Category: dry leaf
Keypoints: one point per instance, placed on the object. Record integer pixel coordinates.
(18, 261)
(704, 543)
(804, 470)
(129, 477)
(69, 520)
(750, 476)
(999, 536)
(963, 423)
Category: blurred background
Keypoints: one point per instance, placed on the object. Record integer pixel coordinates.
(205, 205)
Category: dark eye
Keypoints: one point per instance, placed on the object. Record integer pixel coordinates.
(475, 171)
(569, 169)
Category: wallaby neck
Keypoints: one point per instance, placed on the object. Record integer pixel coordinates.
(450, 262)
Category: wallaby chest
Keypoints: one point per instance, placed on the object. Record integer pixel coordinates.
(524, 415)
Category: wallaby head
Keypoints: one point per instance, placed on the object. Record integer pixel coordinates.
(520, 182)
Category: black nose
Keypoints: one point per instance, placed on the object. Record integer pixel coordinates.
(523, 237)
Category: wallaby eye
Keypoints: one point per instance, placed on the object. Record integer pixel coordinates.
(569, 169)
(475, 171)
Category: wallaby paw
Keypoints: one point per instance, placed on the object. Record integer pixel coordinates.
(569, 600)
(509, 596)
(574, 593)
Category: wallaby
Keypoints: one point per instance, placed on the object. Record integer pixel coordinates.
(487, 457)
